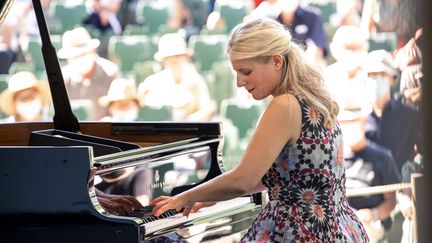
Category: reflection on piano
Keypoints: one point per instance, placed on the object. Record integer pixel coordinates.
(49, 173)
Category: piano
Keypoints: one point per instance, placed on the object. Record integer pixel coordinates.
(50, 171)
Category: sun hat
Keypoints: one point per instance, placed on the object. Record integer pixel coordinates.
(346, 40)
(380, 61)
(120, 89)
(77, 42)
(19, 82)
(171, 44)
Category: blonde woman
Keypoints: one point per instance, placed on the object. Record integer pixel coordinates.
(295, 153)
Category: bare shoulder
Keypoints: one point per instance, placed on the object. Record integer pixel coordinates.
(285, 103)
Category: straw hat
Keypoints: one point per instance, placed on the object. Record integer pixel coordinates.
(120, 89)
(171, 44)
(347, 39)
(380, 61)
(19, 82)
(77, 42)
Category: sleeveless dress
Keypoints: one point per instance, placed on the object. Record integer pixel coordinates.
(306, 189)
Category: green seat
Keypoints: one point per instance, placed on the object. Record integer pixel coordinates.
(163, 113)
(68, 16)
(383, 41)
(243, 117)
(82, 108)
(233, 13)
(327, 9)
(152, 14)
(222, 82)
(128, 50)
(33, 54)
(207, 49)
(141, 70)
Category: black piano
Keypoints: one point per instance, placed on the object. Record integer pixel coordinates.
(49, 173)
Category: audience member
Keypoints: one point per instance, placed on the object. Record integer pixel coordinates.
(306, 26)
(103, 15)
(345, 78)
(122, 101)
(25, 99)
(368, 164)
(391, 124)
(87, 75)
(179, 84)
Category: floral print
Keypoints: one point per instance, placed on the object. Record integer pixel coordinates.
(306, 188)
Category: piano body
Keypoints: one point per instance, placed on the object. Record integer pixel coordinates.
(48, 193)
(49, 173)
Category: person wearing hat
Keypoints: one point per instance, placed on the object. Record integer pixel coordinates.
(367, 164)
(345, 79)
(392, 123)
(86, 75)
(122, 101)
(178, 84)
(25, 98)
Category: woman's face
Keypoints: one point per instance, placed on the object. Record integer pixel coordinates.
(260, 79)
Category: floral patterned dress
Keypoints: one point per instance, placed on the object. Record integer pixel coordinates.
(306, 188)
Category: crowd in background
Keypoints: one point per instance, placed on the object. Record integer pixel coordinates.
(368, 51)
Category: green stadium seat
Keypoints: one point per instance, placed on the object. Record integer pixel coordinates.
(82, 108)
(163, 113)
(141, 70)
(243, 117)
(128, 50)
(383, 41)
(207, 49)
(327, 9)
(199, 10)
(152, 14)
(233, 13)
(68, 16)
(222, 82)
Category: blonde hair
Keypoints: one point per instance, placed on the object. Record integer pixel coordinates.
(259, 39)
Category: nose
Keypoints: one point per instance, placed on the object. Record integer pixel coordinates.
(240, 82)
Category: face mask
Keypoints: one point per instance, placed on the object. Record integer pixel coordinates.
(29, 110)
(382, 87)
(122, 116)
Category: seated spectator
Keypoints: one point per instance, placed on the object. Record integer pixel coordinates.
(25, 99)
(306, 26)
(122, 101)
(103, 15)
(368, 164)
(345, 78)
(392, 124)
(179, 84)
(86, 75)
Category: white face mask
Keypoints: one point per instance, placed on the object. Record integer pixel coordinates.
(382, 87)
(123, 116)
(29, 110)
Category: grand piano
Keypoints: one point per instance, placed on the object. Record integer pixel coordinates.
(50, 171)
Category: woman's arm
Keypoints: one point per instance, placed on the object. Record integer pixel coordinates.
(279, 125)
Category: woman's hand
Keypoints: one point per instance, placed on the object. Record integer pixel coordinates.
(165, 203)
(197, 206)
(118, 204)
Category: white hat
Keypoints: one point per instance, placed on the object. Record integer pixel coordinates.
(19, 82)
(347, 39)
(77, 42)
(380, 61)
(120, 89)
(171, 44)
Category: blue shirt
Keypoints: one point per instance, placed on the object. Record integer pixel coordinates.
(371, 166)
(398, 129)
(307, 24)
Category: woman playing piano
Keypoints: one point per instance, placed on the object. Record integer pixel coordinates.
(296, 152)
